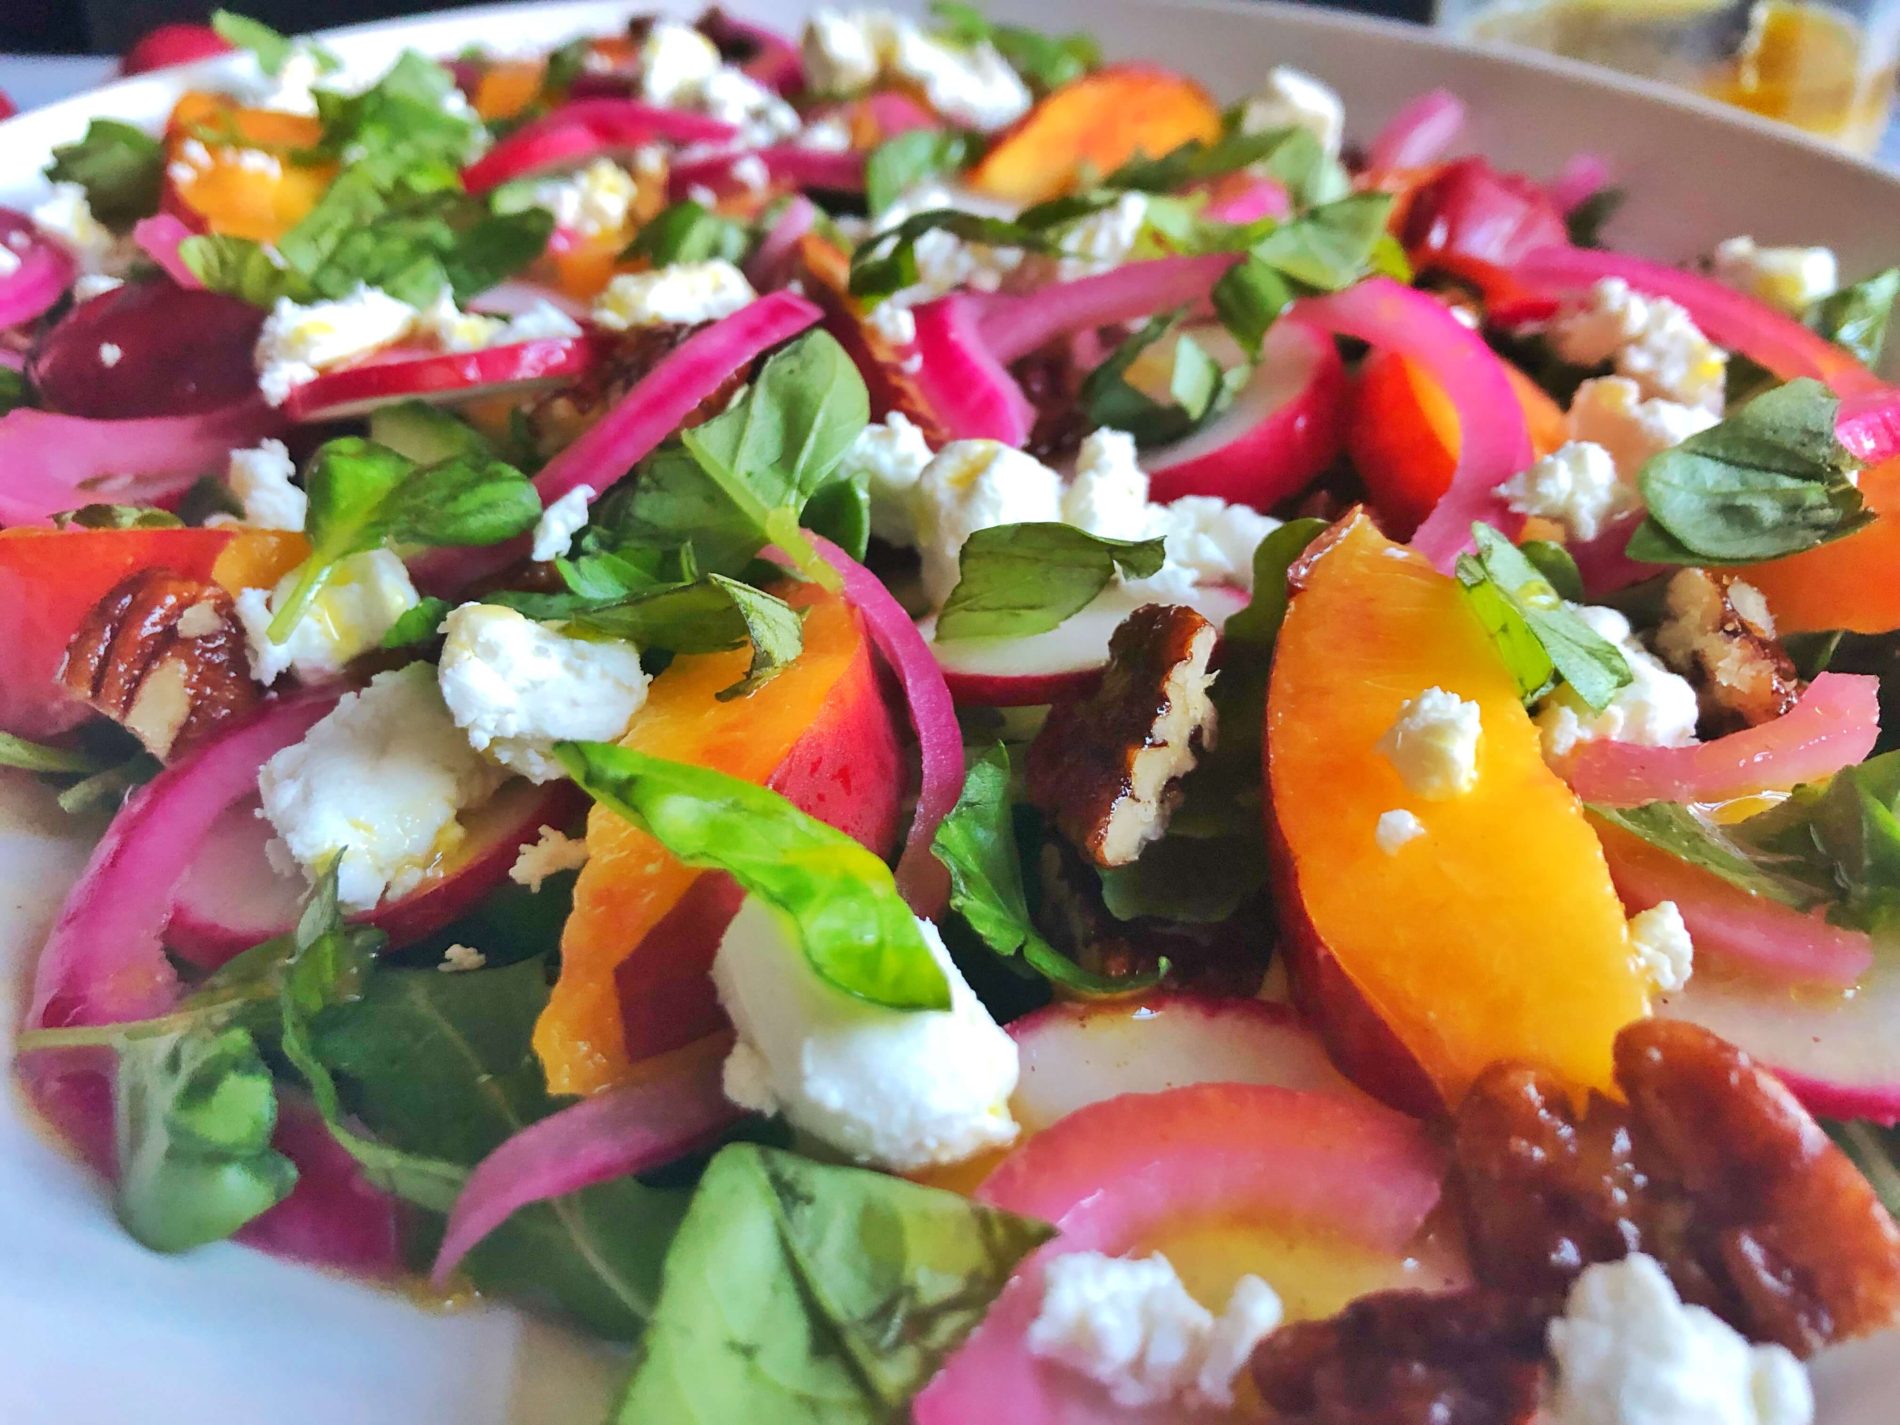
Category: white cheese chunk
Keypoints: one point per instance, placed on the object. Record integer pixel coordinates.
(900, 1089)
(379, 782)
(299, 341)
(890, 456)
(560, 522)
(1292, 98)
(595, 201)
(1397, 829)
(1664, 952)
(849, 52)
(1610, 412)
(516, 687)
(550, 853)
(359, 603)
(971, 485)
(1790, 278)
(264, 480)
(66, 217)
(1651, 340)
(1128, 1324)
(1629, 1352)
(1433, 743)
(1108, 495)
(1577, 485)
(1656, 708)
(679, 295)
(676, 60)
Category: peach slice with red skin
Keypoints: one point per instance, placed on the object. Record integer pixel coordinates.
(1497, 934)
(638, 947)
(228, 196)
(1096, 123)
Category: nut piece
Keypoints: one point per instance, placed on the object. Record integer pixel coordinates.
(1719, 634)
(164, 656)
(1107, 768)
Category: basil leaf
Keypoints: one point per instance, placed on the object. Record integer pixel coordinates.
(193, 1115)
(687, 231)
(116, 517)
(121, 168)
(272, 49)
(1293, 157)
(1671, 827)
(1198, 387)
(886, 262)
(1329, 247)
(1856, 317)
(1249, 298)
(1586, 221)
(1017, 579)
(1540, 636)
(421, 624)
(1770, 480)
(899, 164)
(1045, 61)
(1840, 837)
(838, 899)
(976, 843)
(406, 121)
(806, 1294)
(710, 614)
(39, 757)
(1553, 561)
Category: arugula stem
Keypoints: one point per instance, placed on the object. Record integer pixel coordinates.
(39, 757)
(311, 578)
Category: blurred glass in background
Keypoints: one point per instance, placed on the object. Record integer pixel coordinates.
(1827, 68)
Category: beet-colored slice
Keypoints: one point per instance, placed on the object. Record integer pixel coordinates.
(150, 349)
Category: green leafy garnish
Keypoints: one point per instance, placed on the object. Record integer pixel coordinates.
(1586, 221)
(805, 1294)
(1045, 61)
(1293, 157)
(1198, 387)
(364, 495)
(116, 517)
(836, 899)
(1856, 317)
(1542, 639)
(899, 164)
(39, 757)
(1840, 838)
(273, 50)
(976, 843)
(886, 262)
(108, 785)
(1018, 579)
(121, 169)
(687, 231)
(14, 391)
(1769, 481)
(421, 624)
(1194, 880)
(1876, 1152)
(407, 123)
(1325, 249)
(1678, 830)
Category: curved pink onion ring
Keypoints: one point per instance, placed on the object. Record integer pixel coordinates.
(583, 128)
(961, 379)
(632, 1128)
(1013, 326)
(1869, 425)
(44, 272)
(924, 882)
(1729, 318)
(1419, 133)
(158, 238)
(50, 462)
(1834, 725)
(636, 424)
(1249, 202)
(1494, 442)
(771, 260)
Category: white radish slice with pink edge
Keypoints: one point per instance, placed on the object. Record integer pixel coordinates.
(1074, 1054)
(441, 378)
(1068, 659)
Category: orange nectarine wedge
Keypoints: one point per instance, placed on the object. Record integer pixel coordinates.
(1497, 934)
(1096, 123)
(227, 187)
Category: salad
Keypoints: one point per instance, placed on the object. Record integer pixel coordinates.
(940, 733)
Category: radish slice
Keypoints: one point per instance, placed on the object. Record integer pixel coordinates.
(1013, 326)
(1283, 428)
(772, 259)
(444, 378)
(1494, 442)
(334, 1217)
(233, 898)
(44, 272)
(586, 128)
(836, 171)
(924, 882)
(115, 358)
(1730, 927)
(1419, 133)
(634, 1128)
(636, 424)
(1834, 725)
(1728, 318)
(1582, 177)
(166, 45)
(1066, 661)
(514, 299)
(54, 462)
(967, 387)
(158, 238)
(1075, 1054)
(1112, 1175)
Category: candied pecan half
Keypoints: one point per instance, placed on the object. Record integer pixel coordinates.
(163, 655)
(1106, 768)
(1713, 1168)
(1470, 1357)
(1719, 634)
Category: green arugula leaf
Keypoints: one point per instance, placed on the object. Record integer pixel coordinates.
(193, 1115)
(1018, 579)
(116, 517)
(976, 843)
(421, 624)
(272, 49)
(1541, 637)
(121, 168)
(1770, 480)
(1198, 387)
(1677, 829)
(838, 900)
(687, 231)
(39, 757)
(806, 1294)
(1045, 61)
(364, 495)
(899, 164)
(1856, 317)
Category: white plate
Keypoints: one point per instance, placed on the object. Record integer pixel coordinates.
(95, 1331)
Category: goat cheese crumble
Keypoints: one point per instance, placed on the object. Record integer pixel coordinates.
(1577, 485)
(560, 522)
(264, 480)
(300, 341)
(849, 52)
(1790, 278)
(359, 603)
(595, 201)
(1664, 952)
(1610, 412)
(1397, 829)
(66, 217)
(1433, 744)
(682, 294)
(869, 1080)
(890, 456)
(516, 687)
(1128, 1324)
(1293, 98)
(1650, 340)
(1656, 708)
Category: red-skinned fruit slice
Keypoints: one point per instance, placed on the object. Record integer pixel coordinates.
(116, 357)
(441, 378)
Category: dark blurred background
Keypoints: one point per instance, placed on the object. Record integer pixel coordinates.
(107, 26)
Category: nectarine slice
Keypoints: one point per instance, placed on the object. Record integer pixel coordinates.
(1497, 934)
(1846, 584)
(819, 732)
(1096, 123)
(232, 194)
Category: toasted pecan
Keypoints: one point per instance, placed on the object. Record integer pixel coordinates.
(1106, 767)
(165, 656)
(1719, 634)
